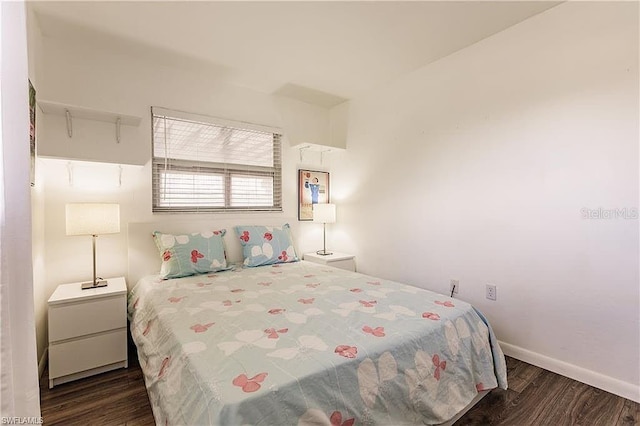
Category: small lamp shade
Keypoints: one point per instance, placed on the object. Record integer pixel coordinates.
(92, 218)
(324, 213)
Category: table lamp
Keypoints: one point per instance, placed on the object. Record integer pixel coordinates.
(324, 213)
(93, 219)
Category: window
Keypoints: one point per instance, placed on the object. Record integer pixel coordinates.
(203, 164)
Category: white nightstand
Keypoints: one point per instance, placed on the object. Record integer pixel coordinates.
(337, 260)
(87, 330)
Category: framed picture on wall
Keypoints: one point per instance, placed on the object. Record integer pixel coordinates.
(313, 188)
(32, 131)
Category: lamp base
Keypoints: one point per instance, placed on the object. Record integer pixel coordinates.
(324, 253)
(90, 284)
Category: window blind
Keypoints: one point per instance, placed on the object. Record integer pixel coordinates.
(204, 164)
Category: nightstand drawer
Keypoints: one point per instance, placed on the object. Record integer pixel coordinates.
(336, 260)
(67, 321)
(84, 354)
(348, 264)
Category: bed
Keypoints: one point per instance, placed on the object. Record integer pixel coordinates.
(301, 343)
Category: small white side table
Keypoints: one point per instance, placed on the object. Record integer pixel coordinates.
(87, 330)
(337, 260)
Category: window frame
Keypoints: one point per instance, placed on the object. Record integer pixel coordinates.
(226, 170)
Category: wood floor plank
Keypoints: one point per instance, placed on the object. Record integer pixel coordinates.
(101, 408)
(520, 374)
(142, 421)
(586, 405)
(489, 410)
(630, 415)
(538, 402)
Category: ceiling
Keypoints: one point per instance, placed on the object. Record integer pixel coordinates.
(318, 52)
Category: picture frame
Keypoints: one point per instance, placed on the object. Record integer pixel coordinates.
(313, 188)
(32, 132)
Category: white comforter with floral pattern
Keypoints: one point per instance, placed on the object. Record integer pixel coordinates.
(304, 343)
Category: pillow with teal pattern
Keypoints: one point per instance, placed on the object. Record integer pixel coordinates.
(190, 254)
(266, 245)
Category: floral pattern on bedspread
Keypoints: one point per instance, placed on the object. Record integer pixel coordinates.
(301, 344)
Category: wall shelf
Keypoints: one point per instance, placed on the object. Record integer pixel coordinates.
(312, 147)
(49, 107)
(70, 112)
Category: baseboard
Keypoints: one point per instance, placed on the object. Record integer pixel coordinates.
(43, 362)
(618, 387)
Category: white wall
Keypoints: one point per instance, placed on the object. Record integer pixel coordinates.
(477, 167)
(313, 130)
(34, 41)
(474, 168)
(19, 390)
(76, 74)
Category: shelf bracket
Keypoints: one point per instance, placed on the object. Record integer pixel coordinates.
(322, 155)
(70, 172)
(69, 123)
(118, 130)
(302, 150)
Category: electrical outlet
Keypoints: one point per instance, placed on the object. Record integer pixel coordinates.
(491, 292)
(454, 286)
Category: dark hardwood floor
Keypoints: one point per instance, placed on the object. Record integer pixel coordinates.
(535, 397)
(540, 397)
(118, 397)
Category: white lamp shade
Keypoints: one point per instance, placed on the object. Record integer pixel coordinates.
(92, 218)
(324, 213)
